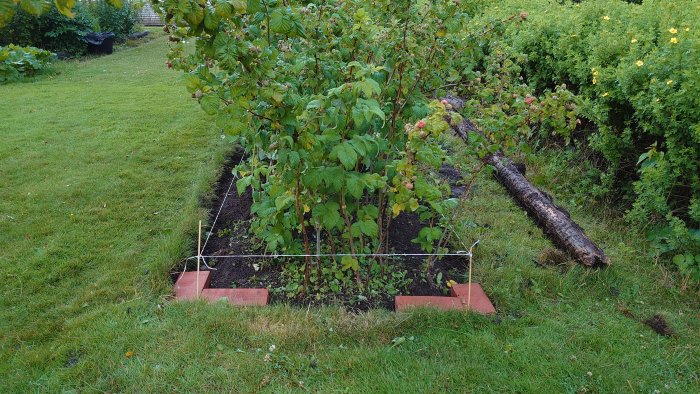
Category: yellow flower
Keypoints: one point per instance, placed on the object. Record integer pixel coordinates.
(674, 40)
(673, 30)
(669, 82)
(595, 72)
(687, 29)
(451, 283)
(129, 354)
(595, 80)
(607, 18)
(606, 94)
(634, 41)
(639, 63)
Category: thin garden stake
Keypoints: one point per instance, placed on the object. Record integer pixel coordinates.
(199, 253)
(469, 289)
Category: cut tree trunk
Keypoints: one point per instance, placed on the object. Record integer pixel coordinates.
(554, 221)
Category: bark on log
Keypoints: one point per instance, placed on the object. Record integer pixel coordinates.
(555, 221)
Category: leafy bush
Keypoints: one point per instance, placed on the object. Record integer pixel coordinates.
(636, 69)
(52, 31)
(334, 102)
(120, 21)
(17, 62)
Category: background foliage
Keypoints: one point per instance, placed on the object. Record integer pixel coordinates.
(55, 31)
(120, 21)
(52, 30)
(635, 68)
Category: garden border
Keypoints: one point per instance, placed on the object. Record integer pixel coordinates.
(462, 296)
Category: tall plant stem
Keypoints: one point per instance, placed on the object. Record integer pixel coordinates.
(348, 225)
(306, 236)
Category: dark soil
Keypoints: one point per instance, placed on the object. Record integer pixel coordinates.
(659, 324)
(231, 236)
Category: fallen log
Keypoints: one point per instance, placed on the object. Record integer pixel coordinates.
(554, 221)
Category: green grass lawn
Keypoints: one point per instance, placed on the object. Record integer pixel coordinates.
(103, 171)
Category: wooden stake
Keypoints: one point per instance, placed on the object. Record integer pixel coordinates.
(199, 254)
(469, 289)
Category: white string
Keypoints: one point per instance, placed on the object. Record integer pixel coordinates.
(457, 253)
(221, 207)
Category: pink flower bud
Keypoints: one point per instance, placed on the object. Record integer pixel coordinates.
(420, 124)
(529, 100)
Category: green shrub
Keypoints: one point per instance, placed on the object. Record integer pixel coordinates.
(334, 103)
(636, 69)
(52, 31)
(120, 21)
(17, 62)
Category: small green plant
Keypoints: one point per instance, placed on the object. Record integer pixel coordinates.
(17, 62)
(223, 232)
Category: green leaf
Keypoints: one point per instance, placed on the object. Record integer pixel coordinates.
(349, 262)
(280, 22)
(283, 201)
(327, 214)
(355, 185)
(192, 82)
(211, 20)
(680, 261)
(210, 103)
(369, 87)
(240, 6)
(243, 184)
(65, 7)
(223, 9)
(115, 3)
(226, 50)
(38, 7)
(333, 178)
(254, 6)
(312, 178)
(359, 145)
(368, 227)
(7, 10)
(346, 154)
(413, 204)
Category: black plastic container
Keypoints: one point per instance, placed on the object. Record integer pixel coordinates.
(100, 43)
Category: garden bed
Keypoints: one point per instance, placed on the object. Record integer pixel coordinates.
(231, 237)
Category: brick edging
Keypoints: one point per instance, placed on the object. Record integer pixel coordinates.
(186, 289)
(459, 299)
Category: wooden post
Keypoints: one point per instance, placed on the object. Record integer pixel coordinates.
(199, 253)
(469, 280)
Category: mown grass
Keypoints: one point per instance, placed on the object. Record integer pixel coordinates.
(104, 168)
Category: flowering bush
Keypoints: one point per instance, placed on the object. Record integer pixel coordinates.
(635, 67)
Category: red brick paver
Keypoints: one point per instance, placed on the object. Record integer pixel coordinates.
(186, 285)
(240, 297)
(479, 301)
